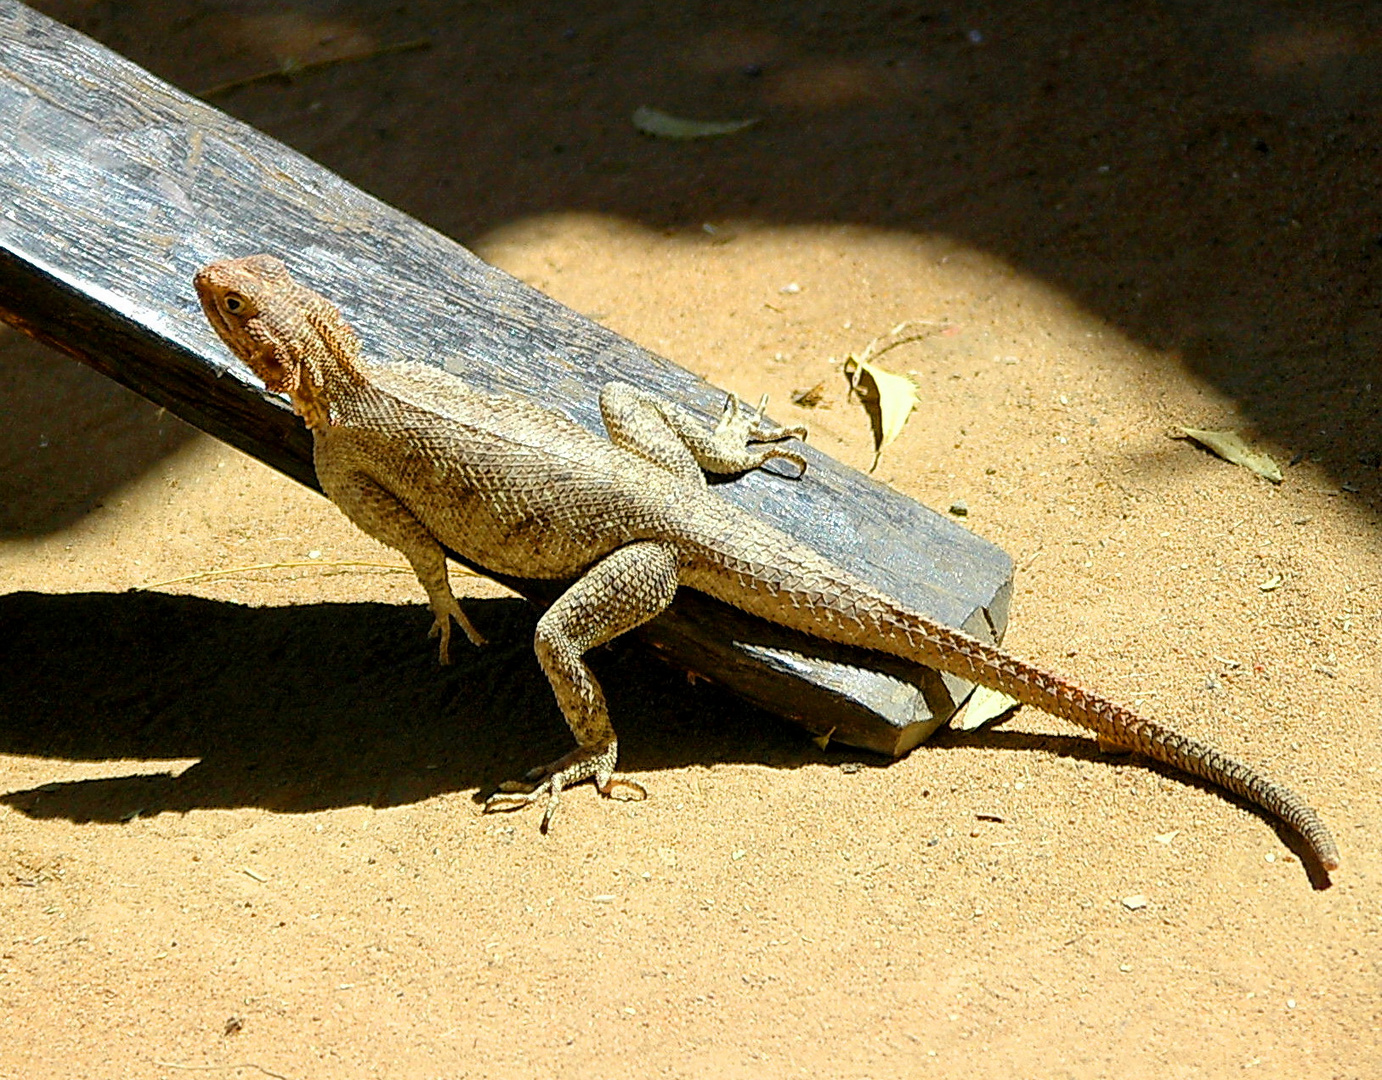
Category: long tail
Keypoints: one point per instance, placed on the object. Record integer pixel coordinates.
(956, 652)
(807, 595)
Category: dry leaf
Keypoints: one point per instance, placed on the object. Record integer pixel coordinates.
(984, 705)
(665, 126)
(1230, 446)
(889, 399)
(810, 398)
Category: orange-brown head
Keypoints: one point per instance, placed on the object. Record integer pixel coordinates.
(294, 339)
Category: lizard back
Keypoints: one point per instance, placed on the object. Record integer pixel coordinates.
(517, 489)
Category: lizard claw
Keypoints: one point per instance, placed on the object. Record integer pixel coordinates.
(550, 780)
(760, 431)
(442, 628)
(741, 426)
(443, 612)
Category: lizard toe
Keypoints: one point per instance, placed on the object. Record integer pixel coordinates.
(441, 627)
(548, 781)
(516, 794)
(632, 789)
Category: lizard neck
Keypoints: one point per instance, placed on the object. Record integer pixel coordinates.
(330, 379)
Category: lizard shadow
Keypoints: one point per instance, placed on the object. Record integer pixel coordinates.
(303, 708)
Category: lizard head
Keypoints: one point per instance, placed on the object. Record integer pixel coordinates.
(288, 335)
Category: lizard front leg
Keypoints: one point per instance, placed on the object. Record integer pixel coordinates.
(625, 589)
(383, 517)
(678, 440)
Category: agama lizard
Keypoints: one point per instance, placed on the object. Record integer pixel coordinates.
(420, 461)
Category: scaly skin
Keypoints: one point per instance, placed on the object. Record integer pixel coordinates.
(420, 461)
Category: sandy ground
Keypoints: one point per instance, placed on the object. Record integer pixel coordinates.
(240, 831)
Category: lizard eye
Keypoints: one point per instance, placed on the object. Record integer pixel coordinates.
(233, 303)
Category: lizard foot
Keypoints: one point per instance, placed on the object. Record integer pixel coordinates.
(739, 426)
(760, 431)
(550, 780)
(443, 611)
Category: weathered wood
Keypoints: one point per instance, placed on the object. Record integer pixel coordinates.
(115, 188)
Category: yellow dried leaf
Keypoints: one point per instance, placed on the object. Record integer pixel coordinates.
(665, 126)
(984, 704)
(1230, 446)
(888, 398)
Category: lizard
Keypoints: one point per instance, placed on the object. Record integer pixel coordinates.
(421, 461)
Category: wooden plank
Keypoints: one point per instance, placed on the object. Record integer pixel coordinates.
(115, 187)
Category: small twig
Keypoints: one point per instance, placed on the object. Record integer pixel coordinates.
(290, 67)
(202, 574)
(869, 355)
(218, 1068)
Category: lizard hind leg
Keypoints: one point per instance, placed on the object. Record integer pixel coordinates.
(623, 590)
